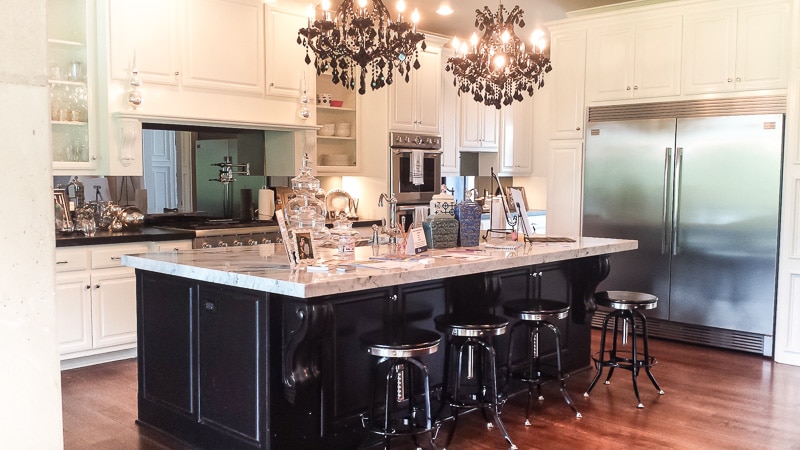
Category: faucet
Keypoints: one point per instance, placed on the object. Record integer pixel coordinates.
(392, 230)
(228, 170)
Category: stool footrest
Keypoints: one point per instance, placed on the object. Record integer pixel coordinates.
(624, 363)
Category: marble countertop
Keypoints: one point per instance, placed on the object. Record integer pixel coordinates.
(266, 268)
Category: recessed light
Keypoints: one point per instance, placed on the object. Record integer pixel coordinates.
(444, 10)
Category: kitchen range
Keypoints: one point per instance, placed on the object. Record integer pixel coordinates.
(209, 232)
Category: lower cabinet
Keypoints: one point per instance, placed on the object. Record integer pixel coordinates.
(95, 299)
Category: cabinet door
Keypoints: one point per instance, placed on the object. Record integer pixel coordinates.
(478, 125)
(567, 81)
(147, 29)
(450, 157)
(657, 61)
(232, 340)
(564, 192)
(609, 66)
(401, 106)
(224, 45)
(286, 70)
(113, 307)
(516, 138)
(762, 57)
(73, 312)
(428, 85)
(709, 51)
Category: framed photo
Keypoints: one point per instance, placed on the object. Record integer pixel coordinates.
(303, 244)
(61, 205)
(512, 207)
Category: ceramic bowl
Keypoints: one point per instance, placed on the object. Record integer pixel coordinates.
(327, 129)
(342, 129)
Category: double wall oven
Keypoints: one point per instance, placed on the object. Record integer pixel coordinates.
(411, 192)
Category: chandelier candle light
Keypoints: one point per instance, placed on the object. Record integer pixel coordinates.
(362, 42)
(495, 67)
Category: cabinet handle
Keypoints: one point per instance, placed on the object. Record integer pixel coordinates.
(62, 262)
(116, 258)
(636, 88)
(730, 80)
(738, 79)
(177, 73)
(628, 88)
(88, 287)
(97, 286)
(210, 306)
(393, 297)
(577, 128)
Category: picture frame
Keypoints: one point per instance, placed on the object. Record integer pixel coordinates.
(63, 221)
(511, 206)
(304, 245)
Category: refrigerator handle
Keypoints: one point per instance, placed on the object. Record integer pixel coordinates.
(664, 207)
(676, 205)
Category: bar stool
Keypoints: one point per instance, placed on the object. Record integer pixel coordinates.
(535, 314)
(398, 350)
(625, 306)
(469, 334)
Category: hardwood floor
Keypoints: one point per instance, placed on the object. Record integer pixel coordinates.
(714, 399)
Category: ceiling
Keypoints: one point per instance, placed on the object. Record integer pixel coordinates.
(462, 22)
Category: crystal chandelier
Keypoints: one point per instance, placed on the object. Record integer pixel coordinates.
(496, 68)
(360, 44)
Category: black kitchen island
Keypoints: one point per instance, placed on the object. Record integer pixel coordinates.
(237, 351)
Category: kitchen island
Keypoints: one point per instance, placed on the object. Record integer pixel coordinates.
(238, 351)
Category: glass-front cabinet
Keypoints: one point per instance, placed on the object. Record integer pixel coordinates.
(70, 76)
(337, 149)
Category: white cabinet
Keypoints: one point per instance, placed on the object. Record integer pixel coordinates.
(95, 299)
(172, 246)
(71, 73)
(478, 125)
(516, 139)
(732, 49)
(286, 68)
(566, 82)
(450, 157)
(565, 188)
(200, 44)
(416, 105)
(628, 61)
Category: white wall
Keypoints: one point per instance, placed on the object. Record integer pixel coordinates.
(30, 381)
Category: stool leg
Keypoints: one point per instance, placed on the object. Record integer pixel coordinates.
(647, 353)
(456, 392)
(601, 359)
(635, 362)
(561, 376)
(444, 397)
(612, 355)
(531, 353)
(427, 398)
(495, 397)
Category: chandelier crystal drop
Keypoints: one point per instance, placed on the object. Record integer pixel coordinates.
(496, 68)
(362, 46)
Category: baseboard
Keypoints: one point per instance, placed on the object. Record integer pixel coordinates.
(90, 360)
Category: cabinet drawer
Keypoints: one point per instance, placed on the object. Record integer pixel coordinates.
(112, 256)
(69, 260)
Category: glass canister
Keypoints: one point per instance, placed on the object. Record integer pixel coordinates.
(468, 214)
(306, 211)
(344, 236)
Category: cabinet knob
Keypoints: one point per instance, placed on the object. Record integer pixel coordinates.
(577, 128)
(636, 88)
(177, 73)
(628, 88)
(730, 80)
(738, 79)
(97, 286)
(88, 287)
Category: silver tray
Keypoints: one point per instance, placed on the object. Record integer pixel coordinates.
(338, 201)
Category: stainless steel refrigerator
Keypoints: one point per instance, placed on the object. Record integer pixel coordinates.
(702, 197)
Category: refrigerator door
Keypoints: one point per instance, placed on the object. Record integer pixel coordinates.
(627, 194)
(727, 196)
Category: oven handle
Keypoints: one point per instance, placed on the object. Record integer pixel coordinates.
(398, 151)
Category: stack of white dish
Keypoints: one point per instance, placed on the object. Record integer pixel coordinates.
(342, 129)
(327, 129)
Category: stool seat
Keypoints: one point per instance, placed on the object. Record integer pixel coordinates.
(471, 324)
(401, 343)
(536, 310)
(626, 300)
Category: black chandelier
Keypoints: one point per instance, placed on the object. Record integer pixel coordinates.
(359, 42)
(497, 69)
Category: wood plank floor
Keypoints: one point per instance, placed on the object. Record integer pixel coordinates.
(715, 399)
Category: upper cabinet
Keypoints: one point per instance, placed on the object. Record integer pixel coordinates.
(478, 125)
(417, 105)
(337, 143)
(517, 139)
(450, 158)
(207, 44)
(737, 49)
(71, 78)
(628, 61)
(566, 82)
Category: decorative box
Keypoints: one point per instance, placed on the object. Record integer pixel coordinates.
(440, 232)
(468, 214)
(443, 204)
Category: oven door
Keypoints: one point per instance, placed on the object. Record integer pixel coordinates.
(407, 192)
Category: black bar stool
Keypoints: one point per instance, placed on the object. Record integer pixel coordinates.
(470, 335)
(398, 350)
(625, 306)
(535, 314)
